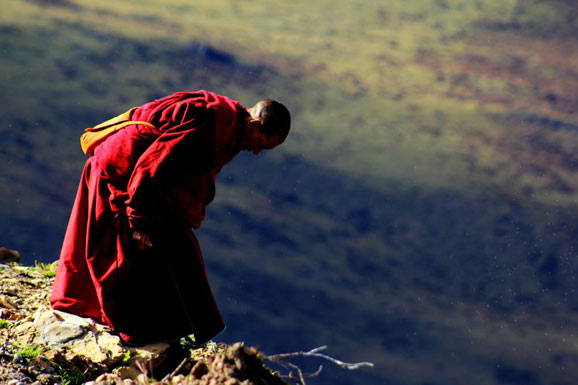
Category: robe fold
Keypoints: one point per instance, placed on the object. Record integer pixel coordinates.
(156, 179)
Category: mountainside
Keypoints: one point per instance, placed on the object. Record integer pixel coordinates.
(45, 347)
(422, 211)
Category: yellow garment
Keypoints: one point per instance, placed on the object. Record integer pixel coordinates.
(96, 135)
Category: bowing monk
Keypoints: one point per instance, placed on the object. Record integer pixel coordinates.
(130, 259)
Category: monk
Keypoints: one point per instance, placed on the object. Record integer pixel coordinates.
(130, 259)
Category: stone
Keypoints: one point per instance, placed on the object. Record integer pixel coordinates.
(40, 364)
(7, 255)
(155, 354)
(80, 336)
(106, 379)
(87, 339)
(15, 382)
(178, 379)
(58, 328)
(12, 291)
(126, 372)
(17, 359)
(48, 379)
(25, 333)
(199, 370)
(7, 304)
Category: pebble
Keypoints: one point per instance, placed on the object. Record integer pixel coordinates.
(10, 291)
(17, 359)
(15, 382)
(48, 378)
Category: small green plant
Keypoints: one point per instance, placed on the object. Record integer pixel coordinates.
(71, 376)
(187, 342)
(4, 323)
(45, 269)
(126, 357)
(30, 352)
(49, 274)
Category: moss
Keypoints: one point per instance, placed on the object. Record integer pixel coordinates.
(30, 352)
(72, 376)
(47, 270)
(126, 357)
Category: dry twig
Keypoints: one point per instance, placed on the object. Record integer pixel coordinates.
(279, 359)
(174, 372)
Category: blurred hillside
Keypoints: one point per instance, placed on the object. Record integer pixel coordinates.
(423, 210)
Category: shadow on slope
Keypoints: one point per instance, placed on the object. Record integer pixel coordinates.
(432, 282)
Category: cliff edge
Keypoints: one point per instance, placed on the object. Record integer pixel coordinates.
(41, 346)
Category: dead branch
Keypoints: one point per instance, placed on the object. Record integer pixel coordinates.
(280, 359)
(174, 372)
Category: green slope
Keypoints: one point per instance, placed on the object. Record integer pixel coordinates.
(422, 212)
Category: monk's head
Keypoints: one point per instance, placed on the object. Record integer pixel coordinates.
(267, 126)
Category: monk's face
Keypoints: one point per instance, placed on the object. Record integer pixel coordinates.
(259, 142)
(254, 140)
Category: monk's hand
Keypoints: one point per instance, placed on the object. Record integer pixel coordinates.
(143, 240)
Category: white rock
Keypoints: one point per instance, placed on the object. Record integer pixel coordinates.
(80, 336)
(83, 337)
(56, 327)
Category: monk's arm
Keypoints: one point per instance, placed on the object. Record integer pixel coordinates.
(184, 149)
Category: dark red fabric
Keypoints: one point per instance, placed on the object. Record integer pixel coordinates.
(156, 181)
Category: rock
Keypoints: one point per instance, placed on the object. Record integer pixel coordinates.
(40, 364)
(155, 354)
(12, 291)
(25, 333)
(176, 380)
(48, 379)
(80, 336)
(17, 359)
(58, 328)
(89, 340)
(15, 382)
(106, 379)
(126, 372)
(200, 369)
(7, 255)
(6, 303)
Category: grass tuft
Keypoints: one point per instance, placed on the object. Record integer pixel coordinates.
(30, 352)
(47, 270)
(5, 323)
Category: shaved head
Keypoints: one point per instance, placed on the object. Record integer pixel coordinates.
(275, 118)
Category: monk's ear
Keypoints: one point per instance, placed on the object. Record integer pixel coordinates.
(254, 124)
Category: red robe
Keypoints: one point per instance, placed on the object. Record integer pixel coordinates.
(158, 181)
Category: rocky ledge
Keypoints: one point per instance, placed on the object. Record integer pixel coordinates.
(41, 346)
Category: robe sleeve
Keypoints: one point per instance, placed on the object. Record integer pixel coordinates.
(176, 171)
